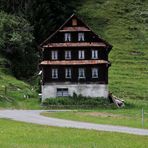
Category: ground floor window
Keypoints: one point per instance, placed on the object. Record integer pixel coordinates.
(62, 92)
(81, 73)
(68, 73)
(94, 72)
(55, 73)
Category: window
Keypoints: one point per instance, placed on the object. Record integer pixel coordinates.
(80, 36)
(54, 55)
(68, 73)
(81, 54)
(67, 37)
(81, 73)
(67, 54)
(94, 72)
(54, 73)
(62, 92)
(74, 22)
(94, 54)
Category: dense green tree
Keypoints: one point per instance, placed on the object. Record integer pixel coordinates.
(16, 44)
(44, 15)
(19, 40)
(49, 15)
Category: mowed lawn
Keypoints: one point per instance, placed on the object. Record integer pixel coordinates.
(23, 135)
(123, 117)
(130, 115)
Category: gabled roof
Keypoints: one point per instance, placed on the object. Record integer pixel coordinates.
(86, 29)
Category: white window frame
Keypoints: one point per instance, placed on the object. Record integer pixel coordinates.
(81, 73)
(67, 37)
(94, 72)
(54, 73)
(62, 92)
(67, 54)
(54, 54)
(81, 37)
(94, 54)
(68, 73)
(81, 54)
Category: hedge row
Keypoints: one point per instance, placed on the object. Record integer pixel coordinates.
(76, 102)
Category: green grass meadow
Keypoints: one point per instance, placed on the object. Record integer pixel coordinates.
(16, 93)
(130, 118)
(130, 115)
(24, 135)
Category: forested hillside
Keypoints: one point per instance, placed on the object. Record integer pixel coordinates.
(123, 23)
(24, 24)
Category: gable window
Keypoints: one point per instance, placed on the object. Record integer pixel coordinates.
(55, 73)
(68, 73)
(80, 36)
(74, 22)
(94, 72)
(67, 37)
(94, 54)
(68, 54)
(81, 54)
(81, 73)
(54, 55)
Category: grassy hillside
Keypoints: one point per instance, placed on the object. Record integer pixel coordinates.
(123, 23)
(15, 93)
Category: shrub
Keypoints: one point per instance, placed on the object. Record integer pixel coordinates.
(77, 101)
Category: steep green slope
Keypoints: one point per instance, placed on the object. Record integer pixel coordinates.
(15, 93)
(123, 23)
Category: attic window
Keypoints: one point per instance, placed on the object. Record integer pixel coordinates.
(80, 36)
(74, 22)
(67, 36)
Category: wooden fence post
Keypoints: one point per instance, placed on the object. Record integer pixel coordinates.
(142, 120)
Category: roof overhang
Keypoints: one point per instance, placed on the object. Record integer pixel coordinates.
(77, 44)
(75, 62)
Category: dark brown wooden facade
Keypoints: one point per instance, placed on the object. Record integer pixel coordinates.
(88, 41)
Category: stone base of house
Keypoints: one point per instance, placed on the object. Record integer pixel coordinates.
(89, 90)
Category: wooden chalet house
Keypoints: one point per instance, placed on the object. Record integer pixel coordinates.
(74, 60)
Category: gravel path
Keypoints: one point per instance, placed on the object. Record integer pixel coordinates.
(33, 116)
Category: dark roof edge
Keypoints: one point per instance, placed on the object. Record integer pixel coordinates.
(110, 46)
(57, 30)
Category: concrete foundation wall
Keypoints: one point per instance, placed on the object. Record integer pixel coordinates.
(92, 90)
